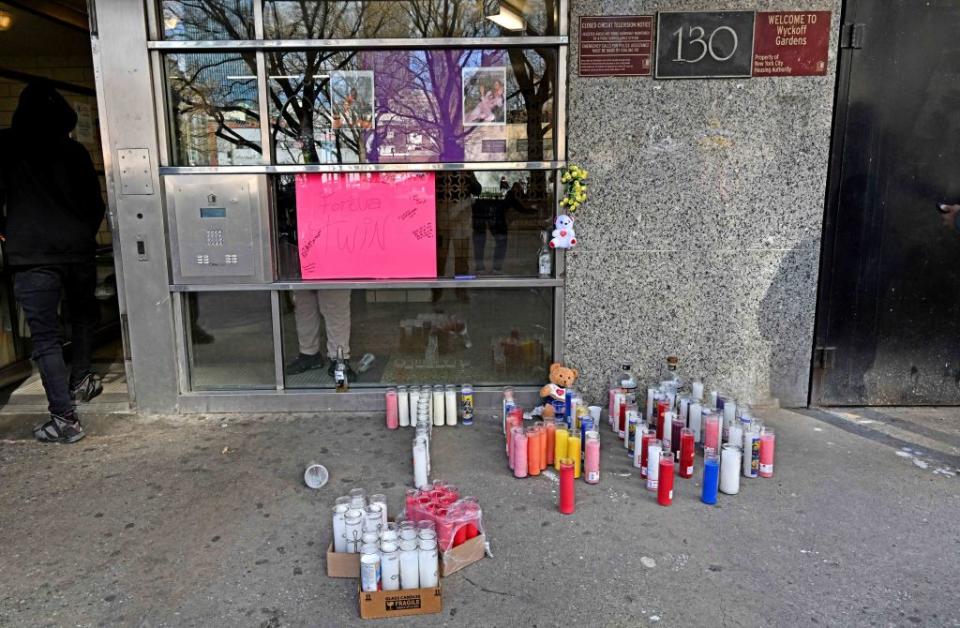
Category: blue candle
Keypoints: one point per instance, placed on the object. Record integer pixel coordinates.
(568, 408)
(711, 479)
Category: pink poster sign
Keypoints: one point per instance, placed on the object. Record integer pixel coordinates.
(377, 225)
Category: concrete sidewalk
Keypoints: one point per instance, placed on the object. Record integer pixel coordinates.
(204, 521)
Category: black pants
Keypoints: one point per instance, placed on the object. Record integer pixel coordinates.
(38, 290)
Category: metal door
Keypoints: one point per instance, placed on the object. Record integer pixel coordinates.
(888, 322)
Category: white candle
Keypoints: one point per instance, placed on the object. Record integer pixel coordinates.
(714, 397)
(353, 524)
(653, 463)
(450, 404)
(668, 418)
(409, 564)
(697, 390)
(695, 424)
(428, 564)
(684, 409)
(340, 528)
(730, 470)
(369, 572)
(729, 412)
(414, 405)
(420, 462)
(438, 415)
(735, 435)
(381, 500)
(403, 406)
(389, 566)
(651, 392)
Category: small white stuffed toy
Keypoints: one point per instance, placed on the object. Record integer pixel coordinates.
(563, 235)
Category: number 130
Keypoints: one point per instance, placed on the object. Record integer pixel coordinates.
(706, 46)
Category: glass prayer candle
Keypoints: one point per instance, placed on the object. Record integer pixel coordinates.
(542, 440)
(665, 479)
(520, 451)
(566, 498)
(560, 446)
(573, 452)
(711, 430)
(551, 430)
(393, 411)
(767, 444)
(591, 462)
(533, 451)
(711, 477)
(730, 469)
(654, 448)
(687, 450)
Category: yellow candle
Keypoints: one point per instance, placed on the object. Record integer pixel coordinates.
(573, 452)
(559, 447)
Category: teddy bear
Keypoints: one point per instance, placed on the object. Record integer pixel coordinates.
(563, 235)
(553, 396)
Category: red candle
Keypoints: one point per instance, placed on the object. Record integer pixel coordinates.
(444, 529)
(566, 486)
(460, 536)
(687, 447)
(644, 441)
(663, 406)
(472, 514)
(622, 424)
(767, 444)
(533, 451)
(665, 479)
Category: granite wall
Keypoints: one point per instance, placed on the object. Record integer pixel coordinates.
(701, 237)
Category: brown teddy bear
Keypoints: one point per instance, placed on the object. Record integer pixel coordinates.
(553, 396)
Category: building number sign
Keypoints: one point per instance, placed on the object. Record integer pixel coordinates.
(715, 44)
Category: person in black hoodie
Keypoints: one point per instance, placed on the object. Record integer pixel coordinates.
(53, 211)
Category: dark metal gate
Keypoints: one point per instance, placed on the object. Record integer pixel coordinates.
(888, 321)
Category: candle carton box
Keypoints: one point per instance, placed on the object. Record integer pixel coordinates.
(462, 555)
(381, 604)
(342, 565)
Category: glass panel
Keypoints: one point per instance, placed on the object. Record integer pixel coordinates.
(212, 99)
(371, 19)
(207, 19)
(401, 106)
(488, 223)
(425, 336)
(230, 335)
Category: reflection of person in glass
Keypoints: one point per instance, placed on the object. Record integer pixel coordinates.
(950, 214)
(491, 214)
(490, 107)
(455, 194)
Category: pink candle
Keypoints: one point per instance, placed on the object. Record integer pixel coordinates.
(591, 463)
(514, 432)
(393, 412)
(711, 432)
(519, 454)
(767, 443)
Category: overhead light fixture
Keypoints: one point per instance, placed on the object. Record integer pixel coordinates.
(509, 18)
(6, 21)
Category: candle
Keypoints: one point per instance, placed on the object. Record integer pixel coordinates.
(381, 501)
(729, 412)
(542, 441)
(632, 418)
(622, 420)
(684, 409)
(393, 412)
(735, 434)
(438, 413)
(730, 470)
(574, 452)
(420, 462)
(711, 477)
(353, 526)
(551, 431)
(340, 508)
(403, 406)
(511, 446)
(714, 399)
(611, 398)
(711, 431)
(591, 461)
(677, 426)
(687, 448)
(533, 451)
(414, 396)
(466, 403)
(560, 446)
(389, 566)
(427, 559)
(696, 420)
(508, 405)
(697, 388)
(665, 479)
(651, 392)
(653, 463)
(450, 404)
(568, 408)
(640, 452)
(751, 453)
(444, 529)
(409, 564)
(663, 406)
(369, 572)
(520, 454)
(566, 485)
(767, 443)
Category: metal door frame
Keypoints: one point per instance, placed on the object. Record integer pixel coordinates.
(130, 94)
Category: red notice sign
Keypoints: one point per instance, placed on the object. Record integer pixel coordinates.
(791, 43)
(616, 45)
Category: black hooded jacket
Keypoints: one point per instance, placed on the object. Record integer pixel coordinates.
(48, 184)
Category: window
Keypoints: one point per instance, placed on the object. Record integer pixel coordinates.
(207, 19)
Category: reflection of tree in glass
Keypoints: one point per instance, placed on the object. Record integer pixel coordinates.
(208, 19)
(213, 95)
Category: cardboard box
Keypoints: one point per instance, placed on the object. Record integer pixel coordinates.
(381, 604)
(462, 555)
(342, 565)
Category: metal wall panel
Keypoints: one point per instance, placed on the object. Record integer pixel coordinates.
(128, 121)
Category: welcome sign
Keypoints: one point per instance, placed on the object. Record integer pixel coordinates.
(376, 225)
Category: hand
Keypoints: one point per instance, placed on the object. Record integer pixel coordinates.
(948, 214)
